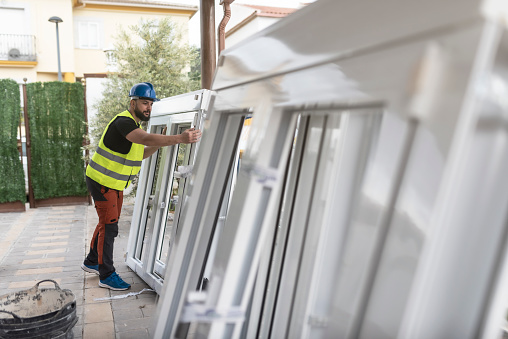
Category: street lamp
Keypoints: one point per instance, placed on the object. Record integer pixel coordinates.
(56, 20)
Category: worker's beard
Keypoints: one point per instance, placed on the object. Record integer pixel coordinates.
(141, 115)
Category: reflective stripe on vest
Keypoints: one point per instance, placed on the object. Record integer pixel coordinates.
(113, 169)
(118, 159)
(108, 173)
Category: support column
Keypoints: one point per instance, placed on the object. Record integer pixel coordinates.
(207, 9)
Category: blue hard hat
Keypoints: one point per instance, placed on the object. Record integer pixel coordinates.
(143, 90)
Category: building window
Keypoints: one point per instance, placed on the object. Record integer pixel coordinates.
(88, 33)
(13, 21)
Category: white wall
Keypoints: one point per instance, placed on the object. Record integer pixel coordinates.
(249, 29)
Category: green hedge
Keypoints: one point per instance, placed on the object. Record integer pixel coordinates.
(12, 185)
(57, 126)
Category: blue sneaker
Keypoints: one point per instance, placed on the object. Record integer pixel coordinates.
(90, 268)
(114, 282)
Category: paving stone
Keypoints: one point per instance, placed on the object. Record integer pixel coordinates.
(75, 267)
(13, 279)
(66, 266)
(122, 304)
(127, 314)
(80, 313)
(72, 286)
(55, 227)
(77, 293)
(151, 297)
(43, 261)
(42, 252)
(133, 324)
(149, 310)
(70, 262)
(91, 280)
(50, 244)
(37, 251)
(121, 267)
(9, 238)
(71, 274)
(102, 330)
(30, 256)
(99, 312)
(35, 271)
(51, 238)
(54, 231)
(137, 334)
(77, 331)
(94, 293)
(18, 285)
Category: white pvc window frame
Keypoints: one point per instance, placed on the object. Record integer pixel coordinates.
(147, 228)
(253, 212)
(474, 165)
(202, 216)
(89, 33)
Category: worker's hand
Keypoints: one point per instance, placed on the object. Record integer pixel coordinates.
(164, 130)
(190, 136)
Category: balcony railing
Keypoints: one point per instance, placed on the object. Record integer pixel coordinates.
(17, 47)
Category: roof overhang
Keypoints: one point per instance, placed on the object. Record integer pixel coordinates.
(130, 4)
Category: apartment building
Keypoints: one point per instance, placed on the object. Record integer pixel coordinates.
(28, 40)
(247, 18)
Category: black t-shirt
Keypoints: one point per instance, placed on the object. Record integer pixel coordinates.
(115, 136)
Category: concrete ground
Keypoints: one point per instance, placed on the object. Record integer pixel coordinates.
(51, 243)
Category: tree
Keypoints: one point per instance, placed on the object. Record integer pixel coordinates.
(154, 52)
(195, 68)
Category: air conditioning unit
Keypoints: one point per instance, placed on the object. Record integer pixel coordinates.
(14, 54)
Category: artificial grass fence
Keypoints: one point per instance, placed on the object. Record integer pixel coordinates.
(12, 185)
(57, 126)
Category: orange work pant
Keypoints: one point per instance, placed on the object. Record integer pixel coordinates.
(108, 204)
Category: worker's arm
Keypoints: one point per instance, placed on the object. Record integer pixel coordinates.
(155, 141)
(149, 150)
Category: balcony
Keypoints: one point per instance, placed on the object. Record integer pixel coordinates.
(15, 47)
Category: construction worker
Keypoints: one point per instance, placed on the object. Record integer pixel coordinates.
(116, 162)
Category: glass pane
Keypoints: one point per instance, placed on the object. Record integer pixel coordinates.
(226, 200)
(83, 34)
(148, 225)
(342, 288)
(175, 192)
(13, 21)
(93, 34)
(290, 232)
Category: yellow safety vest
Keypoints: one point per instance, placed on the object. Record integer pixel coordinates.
(112, 169)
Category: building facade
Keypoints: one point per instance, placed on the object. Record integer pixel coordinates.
(248, 19)
(28, 41)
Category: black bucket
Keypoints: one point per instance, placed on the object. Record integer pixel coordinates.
(38, 313)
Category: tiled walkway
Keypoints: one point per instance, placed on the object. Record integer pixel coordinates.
(50, 243)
